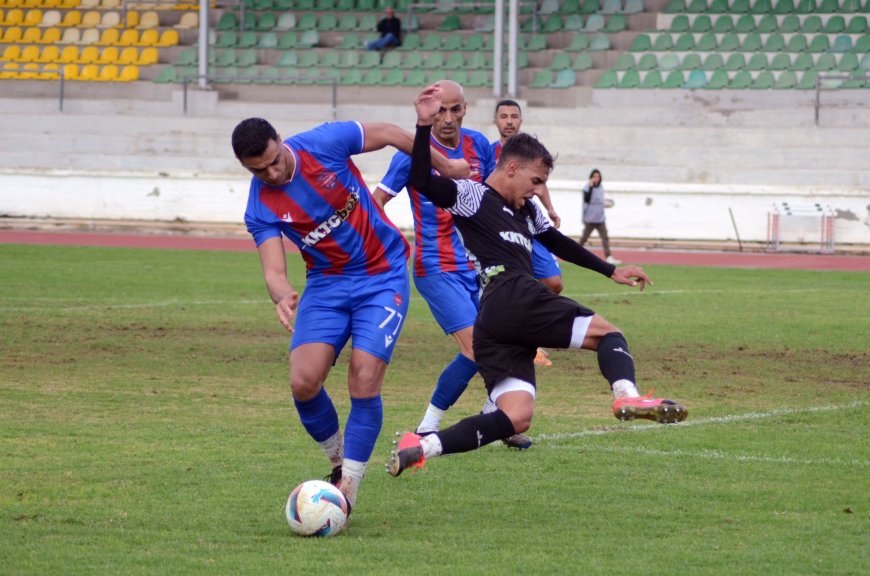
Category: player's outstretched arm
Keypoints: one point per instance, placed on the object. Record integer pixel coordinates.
(440, 190)
(571, 251)
(631, 276)
(274, 263)
(382, 134)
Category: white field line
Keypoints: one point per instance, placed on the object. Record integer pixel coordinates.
(50, 305)
(555, 439)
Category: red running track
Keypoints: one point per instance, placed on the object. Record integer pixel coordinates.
(641, 257)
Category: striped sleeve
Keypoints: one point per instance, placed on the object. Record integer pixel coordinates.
(469, 196)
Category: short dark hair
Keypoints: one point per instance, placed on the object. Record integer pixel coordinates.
(525, 148)
(508, 102)
(251, 137)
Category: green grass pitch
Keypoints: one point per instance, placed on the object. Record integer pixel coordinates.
(147, 427)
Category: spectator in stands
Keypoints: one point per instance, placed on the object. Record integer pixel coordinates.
(390, 29)
(594, 204)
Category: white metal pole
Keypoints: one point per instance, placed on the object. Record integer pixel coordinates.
(513, 29)
(203, 44)
(498, 50)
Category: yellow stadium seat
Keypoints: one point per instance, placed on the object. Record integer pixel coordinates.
(109, 36)
(9, 71)
(128, 38)
(71, 36)
(129, 55)
(149, 19)
(50, 36)
(89, 4)
(2, 15)
(108, 73)
(188, 21)
(49, 54)
(31, 36)
(31, 3)
(12, 35)
(50, 18)
(90, 36)
(168, 38)
(88, 55)
(28, 71)
(14, 17)
(132, 19)
(108, 55)
(14, 3)
(110, 4)
(89, 72)
(33, 17)
(148, 56)
(111, 19)
(49, 72)
(71, 71)
(149, 37)
(71, 18)
(129, 73)
(11, 53)
(50, 3)
(69, 4)
(91, 19)
(69, 55)
(29, 54)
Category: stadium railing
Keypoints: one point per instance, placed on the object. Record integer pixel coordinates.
(822, 85)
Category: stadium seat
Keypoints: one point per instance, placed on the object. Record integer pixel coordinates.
(111, 19)
(109, 37)
(573, 23)
(699, 25)
(309, 39)
(735, 62)
(767, 24)
(287, 40)
(633, 7)
(713, 61)
(148, 20)
(651, 80)
(88, 55)
(590, 7)
(812, 24)
(802, 62)
(819, 43)
(691, 61)
(641, 43)
(452, 42)
(582, 62)
(50, 36)
(723, 24)
(89, 72)
(108, 73)
(580, 42)
(807, 80)
(599, 43)
(663, 43)
(674, 79)
(410, 43)
(745, 24)
(268, 40)
(246, 58)
(669, 62)
(780, 61)
(730, 42)
(478, 79)
(825, 63)
(774, 43)
(718, 80)
(50, 18)
(188, 21)
(49, 54)
(129, 37)
(797, 43)
(857, 25)
(757, 61)
(149, 37)
(684, 43)
(790, 24)
(763, 81)
(108, 55)
(287, 21)
(11, 52)
(348, 42)
(564, 79)
(696, 79)
(594, 23)
(478, 60)
(784, 7)
(289, 60)
(541, 79)
(328, 22)
(751, 42)
(761, 7)
(71, 18)
(847, 63)
(630, 79)
(786, 80)
(842, 43)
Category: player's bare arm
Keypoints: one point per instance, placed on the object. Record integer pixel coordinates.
(631, 276)
(274, 263)
(544, 195)
(382, 134)
(380, 197)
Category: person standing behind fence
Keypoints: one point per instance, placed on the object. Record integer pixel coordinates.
(594, 204)
(390, 29)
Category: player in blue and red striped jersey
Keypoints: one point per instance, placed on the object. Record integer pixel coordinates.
(545, 266)
(443, 275)
(308, 189)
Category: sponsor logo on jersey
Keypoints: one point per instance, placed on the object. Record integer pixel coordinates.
(516, 238)
(326, 227)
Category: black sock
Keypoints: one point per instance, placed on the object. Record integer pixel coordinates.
(614, 359)
(475, 431)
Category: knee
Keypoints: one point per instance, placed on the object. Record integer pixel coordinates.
(304, 388)
(364, 381)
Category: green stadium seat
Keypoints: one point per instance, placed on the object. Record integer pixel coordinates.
(790, 24)
(812, 24)
(187, 57)
(684, 43)
(615, 23)
(802, 62)
(663, 43)
(288, 40)
(578, 42)
(570, 6)
(268, 40)
(266, 21)
(862, 45)
(825, 62)
(373, 77)
(286, 21)
(478, 79)
(415, 78)
(641, 43)
(745, 24)
(330, 59)
(730, 42)
(763, 81)
(564, 79)
(368, 22)
(797, 43)
(308, 59)
(713, 61)
(436, 75)
(669, 62)
(225, 58)
(751, 42)
(774, 43)
(455, 61)
(630, 79)
(647, 62)
(549, 6)
(624, 62)
(370, 60)
(767, 24)
(608, 79)
(761, 7)
(735, 62)
(740, 81)
(452, 42)
(269, 75)
(828, 6)
(807, 80)
(478, 60)
(835, 25)
(350, 42)
(590, 6)
(434, 60)
(842, 43)
(780, 61)
(450, 23)
(718, 80)
(786, 80)
(691, 61)
(561, 61)
(740, 7)
(723, 24)
(633, 7)
(541, 79)
(847, 63)
(819, 43)
(347, 23)
(696, 6)
(582, 62)
(674, 80)
(611, 7)
(395, 77)
(599, 43)
(167, 76)
(412, 60)
(474, 42)
(864, 64)
(410, 43)
(697, 79)
(353, 77)
(227, 39)
(651, 80)
(553, 24)
(228, 21)
(248, 39)
(784, 7)
(309, 39)
(288, 59)
(431, 42)
(718, 7)
(857, 25)
(757, 61)
(573, 22)
(699, 25)
(706, 42)
(307, 22)
(675, 6)
(594, 23)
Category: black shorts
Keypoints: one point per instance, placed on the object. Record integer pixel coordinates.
(517, 315)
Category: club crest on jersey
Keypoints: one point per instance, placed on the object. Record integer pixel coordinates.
(327, 180)
(326, 227)
(397, 299)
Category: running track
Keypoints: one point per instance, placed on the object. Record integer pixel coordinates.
(641, 257)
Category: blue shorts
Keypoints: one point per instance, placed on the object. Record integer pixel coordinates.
(453, 298)
(370, 309)
(544, 264)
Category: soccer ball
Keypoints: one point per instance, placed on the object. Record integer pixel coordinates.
(316, 508)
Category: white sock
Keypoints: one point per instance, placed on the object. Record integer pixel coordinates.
(352, 472)
(624, 389)
(489, 407)
(431, 420)
(431, 445)
(333, 447)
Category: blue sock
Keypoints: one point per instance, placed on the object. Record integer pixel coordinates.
(318, 416)
(453, 382)
(363, 427)
(614, 359)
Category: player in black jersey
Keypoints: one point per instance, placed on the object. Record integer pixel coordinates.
(517, 314)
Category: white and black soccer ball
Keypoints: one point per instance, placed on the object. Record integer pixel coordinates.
(316, 508)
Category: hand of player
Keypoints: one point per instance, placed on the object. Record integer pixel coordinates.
(286, 309)
(458, 169)
(631, 276)
(554, 218)
(427, 103)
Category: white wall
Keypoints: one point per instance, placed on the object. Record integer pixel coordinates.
(642, 211)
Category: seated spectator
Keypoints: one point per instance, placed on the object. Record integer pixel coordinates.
(390, 29)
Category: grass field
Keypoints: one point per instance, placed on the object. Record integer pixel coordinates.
(147, 427)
